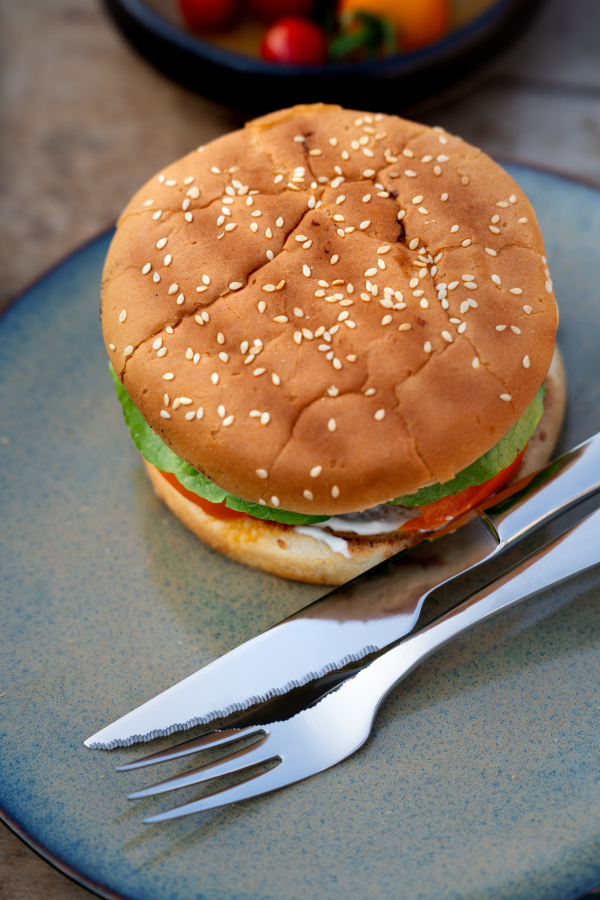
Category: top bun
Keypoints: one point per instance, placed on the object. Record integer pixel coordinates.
(329, 308)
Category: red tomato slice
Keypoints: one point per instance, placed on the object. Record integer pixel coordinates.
(435, 514)
(216, 510)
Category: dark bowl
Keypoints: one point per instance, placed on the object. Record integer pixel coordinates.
(253, 86)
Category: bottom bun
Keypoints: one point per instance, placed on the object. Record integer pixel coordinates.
(281, 550)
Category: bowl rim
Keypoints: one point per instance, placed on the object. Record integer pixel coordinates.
(395, 65)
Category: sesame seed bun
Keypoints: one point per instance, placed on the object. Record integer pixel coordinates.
(329, 309)
(281, 550)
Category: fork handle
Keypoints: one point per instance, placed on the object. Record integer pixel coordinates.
(573, 552)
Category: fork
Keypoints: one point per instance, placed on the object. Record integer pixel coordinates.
(336, 725)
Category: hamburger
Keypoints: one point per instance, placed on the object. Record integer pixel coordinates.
(331, 332)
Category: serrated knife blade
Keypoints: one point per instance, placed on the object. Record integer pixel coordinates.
(363, 616)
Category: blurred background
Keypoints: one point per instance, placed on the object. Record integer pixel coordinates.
(86, 119)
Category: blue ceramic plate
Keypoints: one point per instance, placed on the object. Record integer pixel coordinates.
(481, 779)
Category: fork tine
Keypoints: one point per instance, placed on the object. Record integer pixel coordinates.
(233, 762)
(253, 786)
(210, 739)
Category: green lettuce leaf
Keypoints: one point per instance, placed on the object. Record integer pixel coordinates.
(158, 454)
(488, 465)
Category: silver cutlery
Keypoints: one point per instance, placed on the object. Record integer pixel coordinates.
(338, 724)
(367, 614)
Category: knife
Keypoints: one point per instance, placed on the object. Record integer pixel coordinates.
(366, 614)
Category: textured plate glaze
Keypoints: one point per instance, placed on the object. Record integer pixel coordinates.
(481, 779)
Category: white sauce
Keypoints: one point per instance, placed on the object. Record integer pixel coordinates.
(337, 544)
(380, 519)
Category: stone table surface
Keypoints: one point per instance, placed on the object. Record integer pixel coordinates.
(84, 122)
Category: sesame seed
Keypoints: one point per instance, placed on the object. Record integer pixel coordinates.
(298, 337)
(401, 214)
(194, 193)
(523, 220)
(475, 363)
(506, 397)
(334, 259)
(386, 320)
(275, 501)
(157, 344)
(199, 412)
(467, 242)
(168, 376)
(527, 309)
(146, 269)
(224, 357)
(549, 287)
(516, 291)
(122, 315)
(156, 216)
(214, 378)
(414, 244)
(164, 414)
(173, 289)
(515, 329)
(180, 299)
(261, 306)
(379, 415)
(306, 270)
(500, 327)
(526, 362)
(493, 229)
(280, 319)
(496, 279)
(406, 326)
(331, 425)
(265, 418)
(447, 336)
(427, 347)
(235, 285)
(161, 243)
(190, 415)
(231, 226)
(227, 422)
(490, 251)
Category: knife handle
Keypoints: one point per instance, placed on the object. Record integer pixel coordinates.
(557, 487)
(573, 552)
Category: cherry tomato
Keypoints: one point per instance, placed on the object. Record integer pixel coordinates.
(208, 15)
(435, 514)
(418, 22)
(294, 39)
(270, 10)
